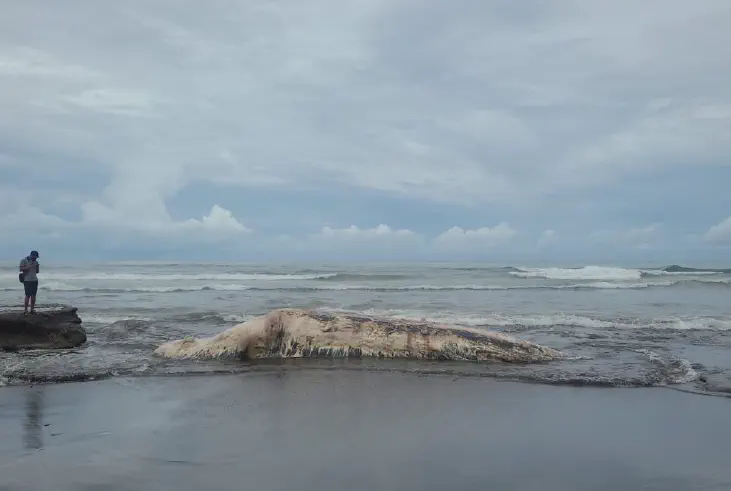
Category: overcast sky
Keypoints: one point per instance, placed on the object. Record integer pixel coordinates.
(549, 131)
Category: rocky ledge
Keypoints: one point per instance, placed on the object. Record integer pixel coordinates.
(51, 327)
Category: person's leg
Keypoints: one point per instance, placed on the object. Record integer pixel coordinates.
(33, 293)
(28, 294)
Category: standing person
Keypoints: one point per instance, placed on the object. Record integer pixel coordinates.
(30, 268)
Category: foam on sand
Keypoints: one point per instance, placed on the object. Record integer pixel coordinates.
(292, 333)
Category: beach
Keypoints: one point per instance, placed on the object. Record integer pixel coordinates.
(639, 401)
(334, 429)
(374, 245)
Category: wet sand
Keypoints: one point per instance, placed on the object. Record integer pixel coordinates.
(319, 430)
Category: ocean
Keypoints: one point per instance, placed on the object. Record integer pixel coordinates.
(620, 326)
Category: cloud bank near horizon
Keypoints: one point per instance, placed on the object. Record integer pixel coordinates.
(368, 130)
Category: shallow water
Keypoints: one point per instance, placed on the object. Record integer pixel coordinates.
(620, 326)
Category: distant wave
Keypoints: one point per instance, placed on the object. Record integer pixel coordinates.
(491, 320)
(497, 320)
(682, 269)
(363, 277)
(606, 273)
(233, 287)
(584, 273)
(179, 277)
(146, 289)
(137, 277)
(188, 317)
(110, 319)
(494, 320)
(237, 287)
(481, 268)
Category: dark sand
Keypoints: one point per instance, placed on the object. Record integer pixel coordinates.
(321, 430)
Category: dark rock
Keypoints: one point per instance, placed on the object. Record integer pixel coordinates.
(51, 327)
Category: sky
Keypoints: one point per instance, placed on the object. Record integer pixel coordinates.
(282, 130)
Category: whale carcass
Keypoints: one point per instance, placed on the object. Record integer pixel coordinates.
(292, 333)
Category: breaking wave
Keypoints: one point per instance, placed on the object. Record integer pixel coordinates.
(584, 273)
(190, 317)
(606, 273)
(63, 277)
(498, 320)
(493, 320)
(234, 287)
(675, 370)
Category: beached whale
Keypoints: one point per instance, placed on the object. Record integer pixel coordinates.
(292, 333)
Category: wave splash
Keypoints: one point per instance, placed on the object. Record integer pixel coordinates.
(583, 273)
(517, 322)
(237, 287)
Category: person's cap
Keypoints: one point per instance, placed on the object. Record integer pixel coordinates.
(34, 254)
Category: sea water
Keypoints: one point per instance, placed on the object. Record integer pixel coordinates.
(619, 326)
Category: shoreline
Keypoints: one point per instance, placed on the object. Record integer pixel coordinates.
(466, 371)
(455, 370)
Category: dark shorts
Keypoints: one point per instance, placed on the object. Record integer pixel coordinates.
(31, 288)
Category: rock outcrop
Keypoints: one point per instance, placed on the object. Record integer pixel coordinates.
(291, 333)
(55, 327)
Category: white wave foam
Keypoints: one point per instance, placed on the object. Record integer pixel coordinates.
(409, 287)
(61, 287)
(150, 289)
(678, 370)
(584, 273)
(686, 373)
(718, 282)
(494, 320)
(605, 285)
(551, 320)
(577, 286)
(693, 324)
(656, 272)
(110, 319)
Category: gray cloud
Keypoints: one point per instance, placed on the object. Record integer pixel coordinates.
(518, 108)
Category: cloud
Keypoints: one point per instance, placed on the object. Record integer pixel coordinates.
(219, 219)
(495, 234)
(355, 233)
(106, 225)
(384, 239)
(720, 233)
(219, 222)
(459, 238)
(381, 241)
(548, 237)
(477, 112)
(111, 101)
(32, 219)
(636, 237)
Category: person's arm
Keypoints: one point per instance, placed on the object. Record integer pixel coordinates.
(23, 266)
(38, 267)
